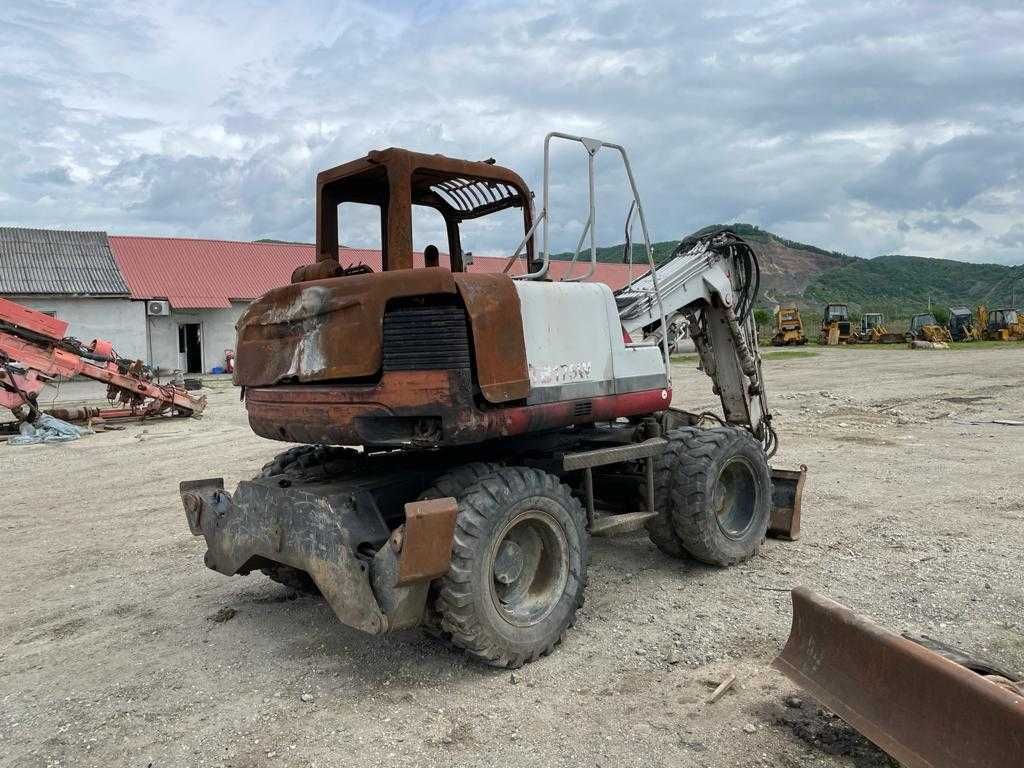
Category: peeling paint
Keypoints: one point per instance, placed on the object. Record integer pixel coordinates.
(542, 375)
(309, 303)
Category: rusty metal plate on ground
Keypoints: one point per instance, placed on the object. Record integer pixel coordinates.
(924, 710)
(426, 540)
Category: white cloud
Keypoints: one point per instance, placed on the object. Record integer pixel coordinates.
(822, 122)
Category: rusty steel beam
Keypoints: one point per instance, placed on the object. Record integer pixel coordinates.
(924, 710)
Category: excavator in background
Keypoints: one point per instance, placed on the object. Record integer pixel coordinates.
(924, 327)
(35, 349)
(874, 331)
(962, 325)
(835, 325)
(1000, 324)
(789, 328)
(503, 419)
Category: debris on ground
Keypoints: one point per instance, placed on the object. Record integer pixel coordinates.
(224, 614)
(724, 686)
(47, 429)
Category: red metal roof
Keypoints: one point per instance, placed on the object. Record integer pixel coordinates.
(209, 274)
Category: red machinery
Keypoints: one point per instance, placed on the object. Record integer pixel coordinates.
(34, 348)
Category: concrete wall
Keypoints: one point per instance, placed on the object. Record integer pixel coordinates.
(217, 332)
(121, 321)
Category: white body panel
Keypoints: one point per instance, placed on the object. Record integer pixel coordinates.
(574, 345)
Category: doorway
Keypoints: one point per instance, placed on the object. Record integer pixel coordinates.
(190, 348)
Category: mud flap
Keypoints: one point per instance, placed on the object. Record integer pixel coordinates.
(787, 495)
(924, 710)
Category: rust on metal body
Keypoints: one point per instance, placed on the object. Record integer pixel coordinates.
(924, 710)
(425, 541)
(428, 409)
(332, 329)
(396, 179)
(496, 323)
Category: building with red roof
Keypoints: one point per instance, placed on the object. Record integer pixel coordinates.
(184, 295)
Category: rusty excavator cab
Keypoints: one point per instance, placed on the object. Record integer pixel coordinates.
(312, 355)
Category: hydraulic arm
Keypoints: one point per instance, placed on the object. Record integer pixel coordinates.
(712, 281)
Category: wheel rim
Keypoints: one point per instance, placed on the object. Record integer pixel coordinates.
(735, 497)
(528, 568)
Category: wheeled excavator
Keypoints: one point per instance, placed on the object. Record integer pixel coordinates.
(494, 422)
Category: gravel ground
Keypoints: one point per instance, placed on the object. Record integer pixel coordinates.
(119, 648)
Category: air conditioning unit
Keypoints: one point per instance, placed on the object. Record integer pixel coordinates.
(158, 308)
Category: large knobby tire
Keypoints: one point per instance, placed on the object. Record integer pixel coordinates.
(721, 495)
(303, 461)
(455, 482)
(661, 529)
(518, 569)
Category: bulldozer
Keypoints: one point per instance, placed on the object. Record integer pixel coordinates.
(835, 325)
(1000, 324)
(874, 331)
(463, 434)
(962, 325)
(789, 328)
(924, 327)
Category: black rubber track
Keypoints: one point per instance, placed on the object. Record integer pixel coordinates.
(463, 602)
(696, 475)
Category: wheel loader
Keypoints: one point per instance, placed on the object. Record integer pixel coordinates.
(835, 325)
(789, 328)
(494, 423)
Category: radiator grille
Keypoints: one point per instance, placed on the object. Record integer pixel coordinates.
(426, 339)
(583, 408)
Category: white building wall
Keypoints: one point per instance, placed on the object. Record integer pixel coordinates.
(217, 331)
(121, 321)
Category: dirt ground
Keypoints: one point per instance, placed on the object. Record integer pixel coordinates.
(118, 647)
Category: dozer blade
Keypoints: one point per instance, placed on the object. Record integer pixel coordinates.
(787, 494)
(924, 710)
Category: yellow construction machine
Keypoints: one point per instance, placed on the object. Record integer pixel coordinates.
(835, 325)
(925, 327)
(1000, 324)
(963, 326)
(874, 331)
(789, 328)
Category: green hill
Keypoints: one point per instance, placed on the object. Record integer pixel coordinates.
(786, 265)
(908, 282)
(897, 286)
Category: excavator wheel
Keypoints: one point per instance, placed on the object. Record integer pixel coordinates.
(721, 495)
(660, 529)
(306, 460)
(303, 461)
(453, 483)
(518, 568)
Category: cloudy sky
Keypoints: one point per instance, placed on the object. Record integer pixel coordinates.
(867, 127)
